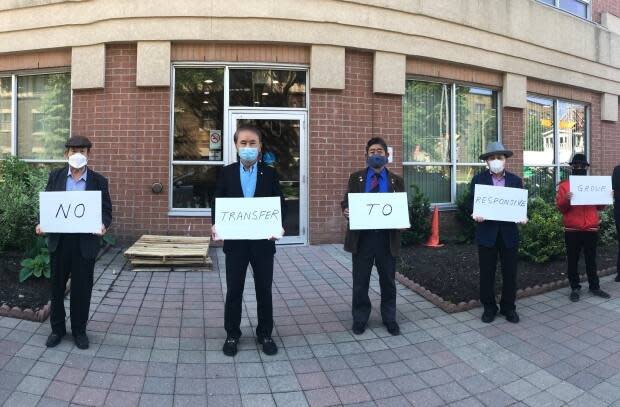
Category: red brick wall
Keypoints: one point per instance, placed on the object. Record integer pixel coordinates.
(600, 6)
(129, 128)
(340, 124)
(512, 138)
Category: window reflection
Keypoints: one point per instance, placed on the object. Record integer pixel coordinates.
(267, 88)
(198, 114)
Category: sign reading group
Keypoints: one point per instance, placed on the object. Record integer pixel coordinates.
(70, 212)
(500, 203)
(378, 210)
(248, 218)
(592, 190)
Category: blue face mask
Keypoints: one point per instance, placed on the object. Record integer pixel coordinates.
(376, 161)
(248, 154)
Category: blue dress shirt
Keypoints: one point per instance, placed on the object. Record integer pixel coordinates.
(248, 179)
(79, 185)
(383, 180)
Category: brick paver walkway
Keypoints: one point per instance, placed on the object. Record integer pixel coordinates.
(156, 341)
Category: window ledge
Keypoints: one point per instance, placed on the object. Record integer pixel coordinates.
(194, 214)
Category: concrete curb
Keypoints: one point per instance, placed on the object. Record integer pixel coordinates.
(451, 307)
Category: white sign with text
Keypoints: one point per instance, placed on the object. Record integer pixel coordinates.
(376, 210)
(248, 218)
(500, 203)
(70, 212)
(590, 190)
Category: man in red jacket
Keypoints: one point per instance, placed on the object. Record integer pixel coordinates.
(581, 223)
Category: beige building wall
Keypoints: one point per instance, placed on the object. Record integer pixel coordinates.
(516, 37)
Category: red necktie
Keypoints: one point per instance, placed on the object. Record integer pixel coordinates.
(374, 183)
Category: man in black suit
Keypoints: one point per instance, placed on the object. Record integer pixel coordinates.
(615, 184)
(248, 178)
(74, 254)
(497, 238)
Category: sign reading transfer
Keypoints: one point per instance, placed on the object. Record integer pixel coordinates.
(500, 203)
(592, 190)
(70, 212)
(248, 218)
(376, 210)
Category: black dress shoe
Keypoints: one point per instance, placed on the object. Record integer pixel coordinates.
(81, 340)
(574, 295)
(488, 316)
(392, 328)
(511, 316)
(230, 346)
(269, 346)
(53, 340)
(359, 328)
(617, 278)
(600, 293)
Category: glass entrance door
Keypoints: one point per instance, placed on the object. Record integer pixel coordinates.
(284, 137)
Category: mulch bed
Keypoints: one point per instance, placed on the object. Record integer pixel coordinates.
(27, 300)
(449, 276)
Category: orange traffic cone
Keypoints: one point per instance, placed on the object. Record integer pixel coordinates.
(433, 239)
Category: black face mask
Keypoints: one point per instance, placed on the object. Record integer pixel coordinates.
(579, 171)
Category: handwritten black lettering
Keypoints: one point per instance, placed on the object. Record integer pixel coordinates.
(390, 209)
(75, 210)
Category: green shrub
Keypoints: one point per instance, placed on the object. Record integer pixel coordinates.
(20, 184)
(463, 216)
(542, 238)
(419, 217)
(607, 231)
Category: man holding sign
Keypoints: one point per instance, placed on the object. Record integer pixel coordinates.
(74, 254)
(377, 246)
(497, 237)
(581, 223)
(248, 178)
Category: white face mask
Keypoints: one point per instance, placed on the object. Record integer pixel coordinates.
(496, 166)
(77, 160)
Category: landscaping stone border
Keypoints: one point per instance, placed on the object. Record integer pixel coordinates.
(451, 307)
(40, 314)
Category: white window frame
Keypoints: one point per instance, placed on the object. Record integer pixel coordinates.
(14, 114)
(453, 164)
(587, 3)
(226, 143)
(557, 166)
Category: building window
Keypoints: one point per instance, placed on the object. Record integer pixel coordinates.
(579, 8)
(35, 116)
(446, 127)
(554, 131)
(198, 148)
(267, 88)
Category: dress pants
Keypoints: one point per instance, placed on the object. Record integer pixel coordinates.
(575, 241)
(67, 261)
(253, 253)
(488, 265)
(374, 249)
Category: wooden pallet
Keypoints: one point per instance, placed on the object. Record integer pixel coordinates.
(170, 252)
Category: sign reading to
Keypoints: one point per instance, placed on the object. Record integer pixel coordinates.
(500, 203)
(376, 210)
(590, 190)
(248, 218)
(70, 212)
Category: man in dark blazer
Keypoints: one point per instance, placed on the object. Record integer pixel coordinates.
(497, 238)
(615, 184)
(74, 254)
(378, 247)
(248, 178)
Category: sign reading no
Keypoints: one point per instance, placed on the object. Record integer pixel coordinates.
(70, 212)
